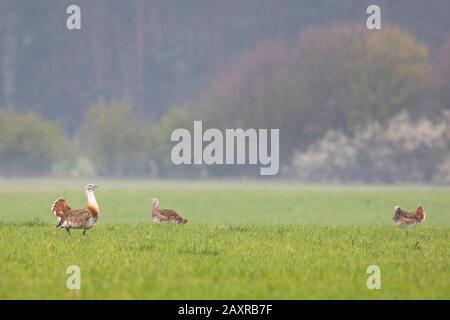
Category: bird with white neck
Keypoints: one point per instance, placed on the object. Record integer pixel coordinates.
(84, 218)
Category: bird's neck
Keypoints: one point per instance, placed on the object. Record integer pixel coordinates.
(92, 202)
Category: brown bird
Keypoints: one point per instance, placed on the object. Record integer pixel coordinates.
(165, 215)
(84, 218)
(405, 219)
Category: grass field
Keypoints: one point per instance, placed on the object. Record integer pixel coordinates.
(244, 241)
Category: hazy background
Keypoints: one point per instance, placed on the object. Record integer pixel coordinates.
(352, 105)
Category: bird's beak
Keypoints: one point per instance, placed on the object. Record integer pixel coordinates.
(96, 187)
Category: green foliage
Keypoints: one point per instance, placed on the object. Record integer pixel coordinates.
(391, 73)
(161, 133)
(29, 145)
(335, 77)
(158, 54)
(331, 77)
(118, 143)
(177, 118)
(443, 68)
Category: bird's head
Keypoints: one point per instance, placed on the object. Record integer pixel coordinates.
(397, 209)
(155, 202)
(91, 187)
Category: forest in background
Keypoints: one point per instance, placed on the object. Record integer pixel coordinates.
(104, 100)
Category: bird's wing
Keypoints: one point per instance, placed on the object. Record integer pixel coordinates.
(405, 214)
(170, 215)
(78, 216)
(408, 221)
(60, 207)
(410, 215)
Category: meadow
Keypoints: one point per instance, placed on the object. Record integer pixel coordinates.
(244, 240)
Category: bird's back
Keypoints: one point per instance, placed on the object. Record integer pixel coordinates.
(167, 216)
(78, 218)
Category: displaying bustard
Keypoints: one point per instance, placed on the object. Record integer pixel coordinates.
(84, 218)
(408, 219)
(165, 215)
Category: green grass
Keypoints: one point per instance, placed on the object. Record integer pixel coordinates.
(252, 243)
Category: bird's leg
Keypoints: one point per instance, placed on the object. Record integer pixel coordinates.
(68, 231)
(84, 232)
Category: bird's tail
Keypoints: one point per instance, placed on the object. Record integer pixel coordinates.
(184, 221)
(60, 207)
(420, 214)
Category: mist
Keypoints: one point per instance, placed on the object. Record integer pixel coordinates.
(102, 99)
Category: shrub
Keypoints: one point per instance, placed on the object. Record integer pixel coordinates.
(29, 145)
(399, 151)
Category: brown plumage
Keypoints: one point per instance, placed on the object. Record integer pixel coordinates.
(84, 218)
(408, 219)
(165, 215)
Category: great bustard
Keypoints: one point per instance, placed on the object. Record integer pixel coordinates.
(84, 218)
(165, 215)
(408, 219)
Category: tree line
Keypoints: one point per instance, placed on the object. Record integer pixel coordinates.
(332, 77)
(159, 53)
